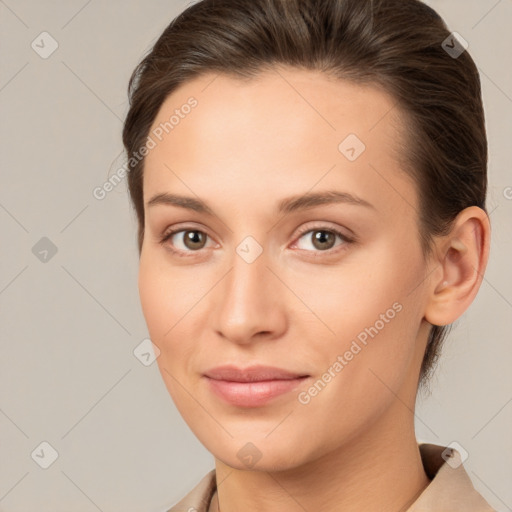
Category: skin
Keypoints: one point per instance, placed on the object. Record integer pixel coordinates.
(245, 147)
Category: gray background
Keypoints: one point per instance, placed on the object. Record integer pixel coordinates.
(69, 325)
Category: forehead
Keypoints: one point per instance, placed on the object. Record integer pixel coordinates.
(284, 129)
(289, 98)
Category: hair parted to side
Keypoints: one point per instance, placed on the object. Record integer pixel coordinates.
(393, 44)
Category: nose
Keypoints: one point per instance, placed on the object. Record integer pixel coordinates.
(250, 302)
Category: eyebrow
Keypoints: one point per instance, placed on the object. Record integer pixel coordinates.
(287, 205)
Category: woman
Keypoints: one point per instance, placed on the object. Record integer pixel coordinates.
(309, 179)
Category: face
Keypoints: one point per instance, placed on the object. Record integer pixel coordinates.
(297, 249)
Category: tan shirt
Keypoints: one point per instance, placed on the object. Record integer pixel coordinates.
(450, 489)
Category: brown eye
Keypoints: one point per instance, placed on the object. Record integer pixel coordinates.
(185, 240)
(323, 240)
(194, 240)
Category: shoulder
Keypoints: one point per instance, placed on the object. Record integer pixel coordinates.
(199, 498)
(450, 487)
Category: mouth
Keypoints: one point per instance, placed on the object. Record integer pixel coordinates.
(254, 386)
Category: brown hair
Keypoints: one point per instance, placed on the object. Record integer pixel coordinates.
(395, 44)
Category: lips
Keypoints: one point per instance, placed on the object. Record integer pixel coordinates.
(253, 386)
(252, 373)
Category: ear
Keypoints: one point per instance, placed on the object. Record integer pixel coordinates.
(461, 259)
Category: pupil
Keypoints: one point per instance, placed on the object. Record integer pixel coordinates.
(194, 238)
(322, 237)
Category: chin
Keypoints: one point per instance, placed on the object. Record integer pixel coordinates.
(258, 453)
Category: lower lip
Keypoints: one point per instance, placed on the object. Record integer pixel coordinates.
(252, 394)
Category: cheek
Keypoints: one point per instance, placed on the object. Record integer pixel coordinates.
(347, 300)
(171, 301)
(152, 298)
(165, 296)
(369, 317)
(164, 305)
(360, 374)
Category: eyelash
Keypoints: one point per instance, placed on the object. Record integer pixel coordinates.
(346, 241)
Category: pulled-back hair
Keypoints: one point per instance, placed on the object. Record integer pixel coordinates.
(401, 46)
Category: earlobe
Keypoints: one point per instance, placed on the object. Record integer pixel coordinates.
(462, 258)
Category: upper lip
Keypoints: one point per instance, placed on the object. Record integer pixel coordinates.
(251, 374)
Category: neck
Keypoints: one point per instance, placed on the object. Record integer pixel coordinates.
(379, 469)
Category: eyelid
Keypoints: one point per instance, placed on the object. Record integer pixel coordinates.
(168, 233)
(347, 239)
(326, 227)
(183, 226)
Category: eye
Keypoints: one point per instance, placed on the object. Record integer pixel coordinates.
(323, 239)
(184, 240)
